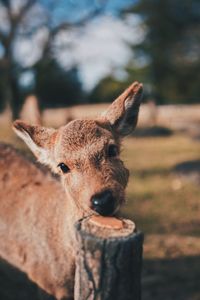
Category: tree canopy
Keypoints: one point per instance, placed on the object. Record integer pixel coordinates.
(171, 47)
(166, 59)
(36, 24)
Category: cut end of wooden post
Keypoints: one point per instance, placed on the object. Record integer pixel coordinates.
(107, 227)
(108, 222)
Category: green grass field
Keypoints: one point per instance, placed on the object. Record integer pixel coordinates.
(158, 199)
(166, 207)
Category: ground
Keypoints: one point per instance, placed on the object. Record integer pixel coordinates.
(166, 207)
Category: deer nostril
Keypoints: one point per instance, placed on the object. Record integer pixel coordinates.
(104, 203)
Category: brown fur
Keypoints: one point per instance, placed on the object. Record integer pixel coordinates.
(36, 216)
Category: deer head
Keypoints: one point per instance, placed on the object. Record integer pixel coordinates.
(86, 153)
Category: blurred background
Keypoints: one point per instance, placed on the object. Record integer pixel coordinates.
(67, 59)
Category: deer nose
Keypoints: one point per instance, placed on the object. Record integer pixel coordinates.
(104, 203)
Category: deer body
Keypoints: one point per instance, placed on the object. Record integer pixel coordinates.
(36, 224)
(37, 214)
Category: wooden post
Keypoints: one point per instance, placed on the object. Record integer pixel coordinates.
(109, 259)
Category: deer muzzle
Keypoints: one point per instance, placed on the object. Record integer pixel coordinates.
(104, 203)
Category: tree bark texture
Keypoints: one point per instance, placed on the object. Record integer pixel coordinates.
(109, 260)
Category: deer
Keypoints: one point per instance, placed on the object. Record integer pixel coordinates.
(38, 210)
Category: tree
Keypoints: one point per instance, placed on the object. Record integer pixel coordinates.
(60, 87)
(171, 47)
(24, 19)
(106, 90)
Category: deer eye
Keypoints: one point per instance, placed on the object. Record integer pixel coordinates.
(113, 151)
(64, 167)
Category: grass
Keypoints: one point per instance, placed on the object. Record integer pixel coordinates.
(166, 208)
(158, 199)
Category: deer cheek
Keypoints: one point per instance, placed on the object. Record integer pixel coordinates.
(73, 182)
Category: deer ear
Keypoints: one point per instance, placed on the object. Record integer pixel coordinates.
(122, 114)
(39, 139)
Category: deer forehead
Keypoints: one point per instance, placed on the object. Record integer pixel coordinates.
(83, 138)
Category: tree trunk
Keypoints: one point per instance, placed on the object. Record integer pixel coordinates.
(109, 259)
(14, 95)
(11, 91)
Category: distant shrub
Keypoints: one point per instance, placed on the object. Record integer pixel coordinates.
(154, 131)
